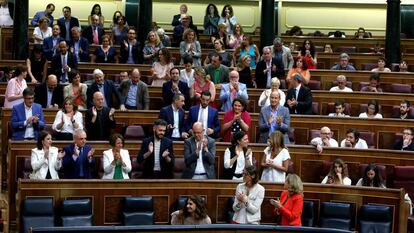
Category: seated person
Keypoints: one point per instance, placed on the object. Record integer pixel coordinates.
(99, 120)
(341, 79)
(352, 140)
(328, 48)
(157, 153)
(374, 84)
(372, 177)
(381, 66)
(249, 198)
(27, 118)
(407, 142)
(232, 90)
(343, 63)
(274, 117)
(404, 112)
(361, 33)
(403, 67)
(237, 157)
(324, 140)
(105, 53)
(372, 110)
(46, 160)
(49, 93)
(299, 66)
(236, 119)
(78, 162)
(173, 114)
(193, 213)
(67, 120)
(299, 97)
(275, 163)
(338, 174)
(339, 110)
(199, 154)
(116, 161)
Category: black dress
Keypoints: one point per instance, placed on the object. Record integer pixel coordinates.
(37, 69)
(245, 77)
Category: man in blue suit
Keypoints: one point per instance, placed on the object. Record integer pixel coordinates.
(107, 88)
(173, 114)
(27, 118)
(78, 162)
(274, 117)
(157, 154)
(232, 90)
(175, 86)
(66, 23)
(205, 114)
(51, 43)
(79, 46)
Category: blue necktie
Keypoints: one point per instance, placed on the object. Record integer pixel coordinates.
(80, 160)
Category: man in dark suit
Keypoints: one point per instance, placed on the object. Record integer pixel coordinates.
(222, 76)
(27, 118)
(175, 86)
(157, 154)
(407, 142)
(78, 162)
(199, 154)
(49, 93)
(299, 97)
(178, 18)
(93, 33)
(404, 112)
(51, 44)
(134, 93)
(182, 27)
(131, 50)
(173, 114)
(79, 46)
(106, 87)
(205, 114)
(268, 68)
(63, 62)
(66, 23)
(99, 120)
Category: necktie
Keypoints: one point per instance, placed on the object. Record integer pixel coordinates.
(201, 118)
(80, 161)
(63, 66)
(297, 93)
(95, 36)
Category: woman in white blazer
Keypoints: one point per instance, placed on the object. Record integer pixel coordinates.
(249, 198)
(116, 161)
(46, 159)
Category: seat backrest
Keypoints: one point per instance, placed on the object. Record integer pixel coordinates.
(77, 212)
(134, 132)
(404, 178)
(309, 213)
(314, 84)
(180, 202)
(363, 84)
(315, 108)
(345, 49)
(37, 212)
(179, 166)
(335, 215)
(369, 66)
(369, 137)
(375, 218)
(138, 211)
(401, 88)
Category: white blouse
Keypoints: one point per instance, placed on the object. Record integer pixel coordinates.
(67, 123)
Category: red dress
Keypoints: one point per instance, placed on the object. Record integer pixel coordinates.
(308, 61)
(291, 209)
(198, 89)
(228, 116)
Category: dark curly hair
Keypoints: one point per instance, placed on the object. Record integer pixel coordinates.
(200, 211)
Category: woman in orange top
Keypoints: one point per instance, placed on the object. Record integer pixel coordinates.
(290, 205)
(299, 66)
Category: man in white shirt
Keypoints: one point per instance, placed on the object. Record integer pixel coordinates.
(341, 79)
(324, 140)
(352, 140)
(199, 155)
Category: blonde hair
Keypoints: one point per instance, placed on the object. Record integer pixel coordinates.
(275, 81)
(242, 59)
(186, 32)
(294, 184)
(157, 38)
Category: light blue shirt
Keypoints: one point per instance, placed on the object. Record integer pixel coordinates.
(49, 97)
(132, 95)
(227, 98)
(101, 90)
(29, 133)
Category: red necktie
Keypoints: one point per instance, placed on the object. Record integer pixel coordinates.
(95, 36)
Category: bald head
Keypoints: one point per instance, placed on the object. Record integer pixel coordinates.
(51, 82)
(325, 132)
(198, 131)
(98, 100)
(234, 76)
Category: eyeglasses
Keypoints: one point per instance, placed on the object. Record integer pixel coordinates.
(407, 133)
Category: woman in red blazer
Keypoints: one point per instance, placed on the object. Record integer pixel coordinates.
(291, 202)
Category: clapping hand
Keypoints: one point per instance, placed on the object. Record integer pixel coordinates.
(165, 153)
(90, 153)
(151, 147)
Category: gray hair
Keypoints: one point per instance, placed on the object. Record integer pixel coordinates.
(344, 55)
(97, 72)
(77, 29)
(341, 78)
(278, 40)
(77, 132)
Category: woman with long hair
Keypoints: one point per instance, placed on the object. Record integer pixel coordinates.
(290, 205)
(338, 174)
(249, 48)
(116, 161)
(161, 68)
(372, 110)
(372, 177)
(226, 58)
(76, 89)
(236, 38)
(201, 83)
(190, 47)
(307, 52)
(96, 10)
(211, 19)
(193, 213)
(67, 120)
(36, 66)
(15, 87)
(301, 67)
(228, 18)
(151, 47)
(237, 157)
(119, 30)
(276, 159)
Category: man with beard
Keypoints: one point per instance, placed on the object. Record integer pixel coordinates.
(157, 154)
(175, 86)
(404, 112)
(352, 140)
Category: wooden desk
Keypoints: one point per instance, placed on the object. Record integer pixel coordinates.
(107, 197)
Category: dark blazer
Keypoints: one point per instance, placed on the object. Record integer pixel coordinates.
(399, 146)
(11, 9)
(136, 53)
(142, 101)
(168, 94)
(304, 100)
(18, 119)
(166, 168)
(72, 169)
(101, 128)
(176, 20)
(212, 121)
(191, 156)
(109, 91)
(48, 49)
(261, 77)
(166, 113)
(56, 64)
(84, 45)
(88, 33)
(74, 22)
(41, 95)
